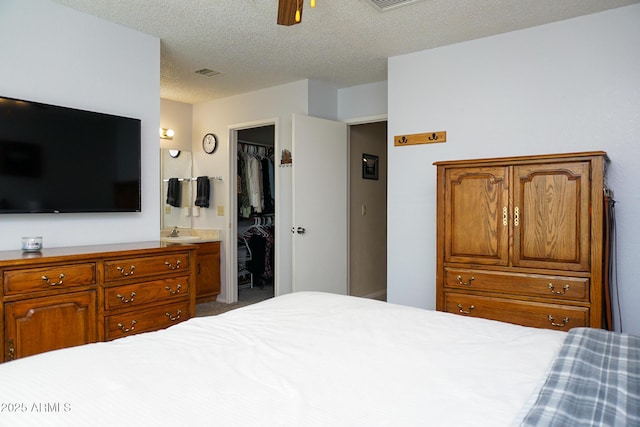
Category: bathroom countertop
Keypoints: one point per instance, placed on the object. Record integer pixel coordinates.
(191, 236)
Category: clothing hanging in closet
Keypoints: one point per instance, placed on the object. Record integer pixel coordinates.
(260, 239)
(256, 180)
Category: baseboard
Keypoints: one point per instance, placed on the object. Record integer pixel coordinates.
(379, 295)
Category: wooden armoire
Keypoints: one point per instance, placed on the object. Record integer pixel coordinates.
(522, 239)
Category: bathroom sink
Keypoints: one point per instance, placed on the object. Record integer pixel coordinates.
(180, 239)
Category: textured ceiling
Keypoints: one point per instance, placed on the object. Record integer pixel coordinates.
(345, 42)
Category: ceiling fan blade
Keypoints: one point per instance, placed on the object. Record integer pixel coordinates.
(287, 11)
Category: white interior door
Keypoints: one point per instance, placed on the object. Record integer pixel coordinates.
(319, 218)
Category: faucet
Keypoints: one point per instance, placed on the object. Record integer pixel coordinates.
(174, 232)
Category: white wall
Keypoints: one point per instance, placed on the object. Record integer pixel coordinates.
(276, 104)
(563, 87)
(368, 100)
(323, 100)
(56, 55)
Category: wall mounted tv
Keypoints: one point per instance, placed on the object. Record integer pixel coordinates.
(55, 160)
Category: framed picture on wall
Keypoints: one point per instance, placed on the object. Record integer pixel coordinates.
(369, 166)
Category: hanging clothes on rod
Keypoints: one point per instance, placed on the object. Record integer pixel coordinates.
(260, 239)
(215, 178)
(256, 180)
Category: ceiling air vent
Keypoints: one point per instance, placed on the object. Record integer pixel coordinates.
(207, 72)
(383, 5)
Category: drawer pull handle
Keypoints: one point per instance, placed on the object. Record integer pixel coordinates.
(174, 318)
(505, 217)
(565, 320)
(460, 282)
(131, 328)
(125, 300)
(565, 288)
(463, 311)
(177, 291)
(171, 266)
(516, 216)
(48, 281)
(126, 273)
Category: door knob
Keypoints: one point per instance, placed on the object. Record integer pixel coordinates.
(299, 230)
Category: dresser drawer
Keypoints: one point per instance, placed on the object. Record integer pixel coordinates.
(560, 287)
(526, 313)
(48, 278)
(128, 268)
(137, 294)
(151, 319)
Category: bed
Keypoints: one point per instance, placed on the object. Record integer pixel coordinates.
(306, 359)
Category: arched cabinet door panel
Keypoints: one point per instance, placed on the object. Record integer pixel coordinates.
(57, 321)
(552, 228)
(476, 204)
(522, 239)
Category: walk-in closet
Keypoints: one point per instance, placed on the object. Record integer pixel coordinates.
(256, 213)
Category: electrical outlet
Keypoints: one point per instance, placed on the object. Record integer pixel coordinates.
(167, 209)
(220, 210)
(364, 210)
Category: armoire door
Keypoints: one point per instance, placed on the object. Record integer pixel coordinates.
(476, 211)
(551, 218)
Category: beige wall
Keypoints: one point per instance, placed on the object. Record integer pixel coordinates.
(368, 232)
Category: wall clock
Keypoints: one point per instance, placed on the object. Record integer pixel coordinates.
(209, 143)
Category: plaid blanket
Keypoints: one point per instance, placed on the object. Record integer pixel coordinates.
(595, 381)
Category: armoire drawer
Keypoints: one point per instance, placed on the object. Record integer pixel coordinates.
(128, 268)
(559, 287)
(151, 319)
(526, 313)
(136, 294)
(48, 278)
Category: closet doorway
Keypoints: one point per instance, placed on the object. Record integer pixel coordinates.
(367, 207)
(254, 213)
(368, 210)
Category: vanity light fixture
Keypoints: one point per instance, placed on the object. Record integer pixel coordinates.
(166, 133)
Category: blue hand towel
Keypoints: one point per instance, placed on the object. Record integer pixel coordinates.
(202, 191)
(173, 192)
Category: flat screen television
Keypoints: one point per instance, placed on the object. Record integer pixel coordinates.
(55, 160)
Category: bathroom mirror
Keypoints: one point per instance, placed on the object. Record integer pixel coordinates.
(178, 213)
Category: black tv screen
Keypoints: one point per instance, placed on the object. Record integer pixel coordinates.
(55, 159)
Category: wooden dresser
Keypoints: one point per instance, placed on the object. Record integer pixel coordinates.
(522, 239)
(207, 271)
(63, 297)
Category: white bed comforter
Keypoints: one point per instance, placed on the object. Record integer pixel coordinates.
(303, 359)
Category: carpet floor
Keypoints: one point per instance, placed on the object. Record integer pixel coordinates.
(246, 296)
